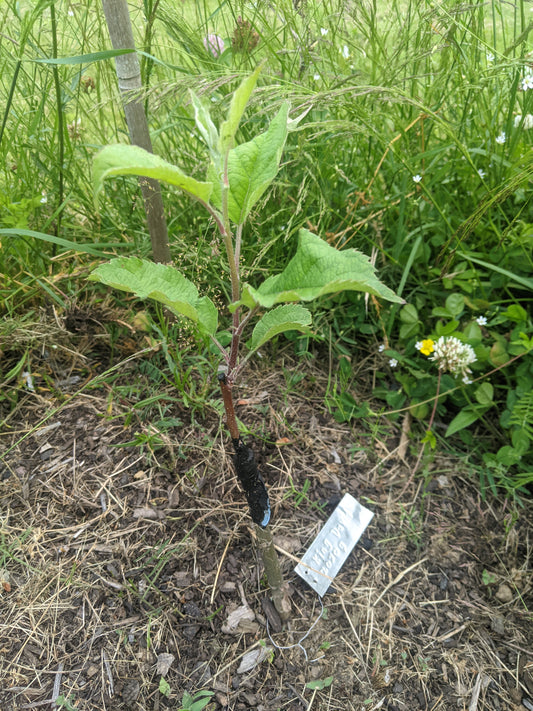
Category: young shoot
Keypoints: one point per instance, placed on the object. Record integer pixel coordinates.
(237, 176)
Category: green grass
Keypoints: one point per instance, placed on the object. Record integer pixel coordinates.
(419, 89)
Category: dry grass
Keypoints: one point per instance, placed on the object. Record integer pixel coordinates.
(110, 558)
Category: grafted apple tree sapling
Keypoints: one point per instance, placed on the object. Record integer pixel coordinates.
(237, 177)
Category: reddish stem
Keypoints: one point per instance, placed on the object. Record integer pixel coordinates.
(227, 397)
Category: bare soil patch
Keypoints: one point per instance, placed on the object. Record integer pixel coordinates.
(120, 567)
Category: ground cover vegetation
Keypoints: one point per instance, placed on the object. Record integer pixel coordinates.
(414, 148)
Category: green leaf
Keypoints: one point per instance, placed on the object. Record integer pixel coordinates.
(290, 317)
(320, 683)
(484, 394)
(455, 304)
(160, 282)
(407, 330)
(252, 167)
(315, 270)
(488, 578)
(84, 58)
(523, 281)
(430, 439)
(205, 125)
(164, 687)
(515, 312)
(409, 314)
(446, 329)
(464, 419)
(96, 250)
(238, 104)
(498, 355)
(121, 159)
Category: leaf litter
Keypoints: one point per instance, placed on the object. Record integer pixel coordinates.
(120, 566)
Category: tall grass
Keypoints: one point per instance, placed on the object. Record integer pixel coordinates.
(416, 147)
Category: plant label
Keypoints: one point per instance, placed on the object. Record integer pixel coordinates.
(326, 555)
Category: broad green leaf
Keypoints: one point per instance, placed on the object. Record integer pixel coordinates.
(121, 159)
(289, 317)
(315, 270)
(252, 167)
(160, 282)
(239, 100)
(205, 125)
(464, 419)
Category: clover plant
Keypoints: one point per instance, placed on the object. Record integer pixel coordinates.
(237, 176)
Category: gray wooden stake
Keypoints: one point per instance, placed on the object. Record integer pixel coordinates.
(129, 82)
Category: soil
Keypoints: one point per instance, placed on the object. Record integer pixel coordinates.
(129, 574)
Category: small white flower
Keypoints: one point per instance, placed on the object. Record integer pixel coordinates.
(316, 77)
(28, 381)
(417, 178)
(419, 345)
(490, 57)
(345, 51)
(393, 362)
(526, 121)
(481, 320)
(481, 173)
(323, 31)
(466, 380)
(381, 347)
(44, 199)
(501, 138)
(527, 82)
(70, 13)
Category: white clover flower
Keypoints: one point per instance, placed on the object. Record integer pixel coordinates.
(345, 51)
(490, 57)
(481, 173)
(527, 82)
(381, 347)
(324, 31)
(393, 362)
(417, 178)
(481, 320)
(466, 380)
(453, 356)
(501, 138)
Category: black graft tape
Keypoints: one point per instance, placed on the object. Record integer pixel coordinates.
(252, 483)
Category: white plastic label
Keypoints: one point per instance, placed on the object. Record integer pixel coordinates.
(326, 555)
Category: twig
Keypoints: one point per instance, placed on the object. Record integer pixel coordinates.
(399, 577)
(57, 684)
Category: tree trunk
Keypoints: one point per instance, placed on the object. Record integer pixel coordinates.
(130, 85)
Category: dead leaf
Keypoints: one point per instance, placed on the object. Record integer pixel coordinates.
(239, 620)
(253, 658)
(164, 662)
(282, 440)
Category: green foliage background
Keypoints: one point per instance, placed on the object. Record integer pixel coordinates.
(440, 92)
